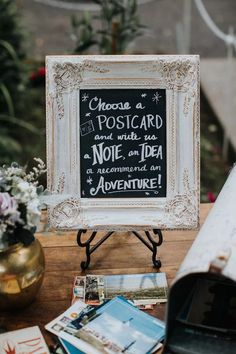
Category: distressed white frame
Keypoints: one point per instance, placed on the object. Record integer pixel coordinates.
(179, 75)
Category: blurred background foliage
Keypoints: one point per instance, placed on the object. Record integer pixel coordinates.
(21, 105)
(22, 85)
(119, 26)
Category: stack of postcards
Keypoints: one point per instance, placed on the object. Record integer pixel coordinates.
(116, 326)
(144, 290)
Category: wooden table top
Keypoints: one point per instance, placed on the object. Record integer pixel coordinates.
(122, 253)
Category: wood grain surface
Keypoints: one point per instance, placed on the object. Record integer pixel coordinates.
(122, 253)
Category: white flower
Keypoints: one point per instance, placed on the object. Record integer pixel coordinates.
(36, 172)
(19, 203)
(24, 192)
(24, 186)
(33, 206)
(33, 212)
(14, 171)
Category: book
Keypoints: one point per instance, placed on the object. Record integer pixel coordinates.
(23, 341)
(143, 289)
(116, 326)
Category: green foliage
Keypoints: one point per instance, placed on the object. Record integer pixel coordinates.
(82, 32)
(9, 146)
(214, 169)
(11, 55)
(21, 108)
(120, 25)
(11, 78)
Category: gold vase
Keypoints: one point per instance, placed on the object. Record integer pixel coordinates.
(21, 274)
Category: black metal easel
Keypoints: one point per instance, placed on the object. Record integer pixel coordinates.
(149, 243)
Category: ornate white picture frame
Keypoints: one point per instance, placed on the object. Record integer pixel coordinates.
(179, 76)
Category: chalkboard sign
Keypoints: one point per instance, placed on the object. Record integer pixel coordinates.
(123, 143)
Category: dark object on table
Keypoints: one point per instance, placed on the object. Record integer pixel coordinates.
(202, 301)
(202, 315)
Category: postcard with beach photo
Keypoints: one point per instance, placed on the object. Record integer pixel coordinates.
(114, 327)
(149, 288)
(144, 290)
(71, 349)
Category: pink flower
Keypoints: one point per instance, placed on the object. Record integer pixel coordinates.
(41, 71)
(8, 204)
(38, 77)
(211, 197)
